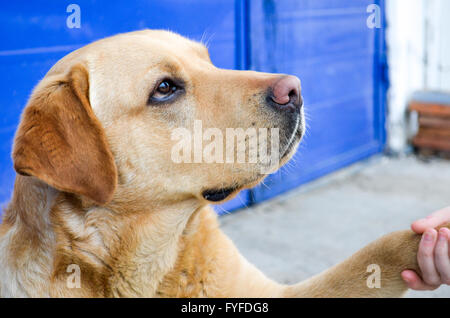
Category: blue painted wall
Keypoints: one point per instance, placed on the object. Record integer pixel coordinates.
(341, 63)
(325, 42)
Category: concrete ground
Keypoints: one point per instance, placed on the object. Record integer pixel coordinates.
(310, 229)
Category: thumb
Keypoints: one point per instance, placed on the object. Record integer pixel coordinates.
(435, 219)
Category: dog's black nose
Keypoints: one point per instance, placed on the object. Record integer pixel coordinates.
(284, 94)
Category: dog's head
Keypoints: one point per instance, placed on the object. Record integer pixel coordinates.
(147, 116)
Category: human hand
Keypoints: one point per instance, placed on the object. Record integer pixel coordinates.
(434, 253)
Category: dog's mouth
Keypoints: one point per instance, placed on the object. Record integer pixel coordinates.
(216, 195)
(220, 194)
(295, 138)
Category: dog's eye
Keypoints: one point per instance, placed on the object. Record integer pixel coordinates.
(166, 87)
(166, 90)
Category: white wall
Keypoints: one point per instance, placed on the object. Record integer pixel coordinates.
(418, 40)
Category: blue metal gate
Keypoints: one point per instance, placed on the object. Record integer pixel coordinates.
(342, 65)
(325, 42)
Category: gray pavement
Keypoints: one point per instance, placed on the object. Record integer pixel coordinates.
(309, 229)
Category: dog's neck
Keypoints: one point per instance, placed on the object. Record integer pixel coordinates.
(27, 239)
(112, 251)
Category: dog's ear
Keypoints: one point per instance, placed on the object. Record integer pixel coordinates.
(61, 142)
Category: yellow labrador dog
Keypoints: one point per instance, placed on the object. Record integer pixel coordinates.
(99, 194)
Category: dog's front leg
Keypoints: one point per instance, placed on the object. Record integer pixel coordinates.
(373, 271)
